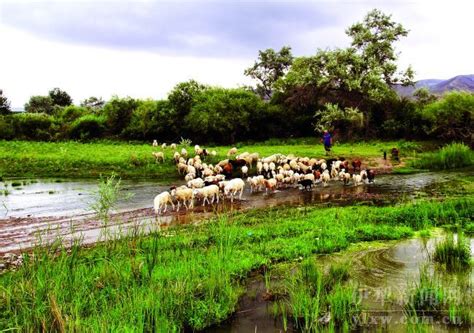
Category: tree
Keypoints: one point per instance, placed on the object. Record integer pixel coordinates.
(424, 96)
(60, 97)
(4, 104)
(269, 67)
(183, 95)
(93, 103)
(359, 76)
(40, 104)
(223, 115)
(119, 112)
(373, 39)
(344, 121)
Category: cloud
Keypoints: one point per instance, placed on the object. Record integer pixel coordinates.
(209, 28)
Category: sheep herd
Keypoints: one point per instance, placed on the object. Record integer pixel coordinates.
(207, 183)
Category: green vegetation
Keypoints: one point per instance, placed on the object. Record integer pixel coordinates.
(191, 276)
(447, 300)
(315, 300)
(454, 155)
(128, 160)
(348, 90)
(454, 254)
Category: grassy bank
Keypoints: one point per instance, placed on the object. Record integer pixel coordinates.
(190, 277)
(74, 159)
(452, 156)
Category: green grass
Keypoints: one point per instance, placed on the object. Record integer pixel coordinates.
(191, 276)
(454, 155)
(314, 299)
(448, 301)
(453, 254)
(127, 160)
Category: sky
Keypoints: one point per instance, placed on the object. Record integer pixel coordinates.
(143, 48)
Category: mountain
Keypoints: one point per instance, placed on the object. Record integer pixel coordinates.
(436, 86)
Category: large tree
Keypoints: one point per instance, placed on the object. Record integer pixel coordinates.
(40, 104)
(359, 76)
(183, 96)
(60, 97)
(373, 39)
(4, 104)
(269, 67)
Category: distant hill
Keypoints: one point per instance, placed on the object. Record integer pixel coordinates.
(436, 86)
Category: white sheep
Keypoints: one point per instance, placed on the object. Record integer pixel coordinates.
(196, 149)
(183, 195)
(211, 191)
(233, 186)
(155, 143)
(184, 152)
(173, 146)
(189, 177)
(182, 168)
(213, 153)
(245, 171)
(163, 146)
(176, 157)
(259, 167)
(325, 177)
(159, 156)
(162, 199)
(232, 151)
(196, 183)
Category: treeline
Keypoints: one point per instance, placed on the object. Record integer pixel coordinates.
(348, 91)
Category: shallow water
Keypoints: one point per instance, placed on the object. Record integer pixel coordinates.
(48, 197)
(46, 209)
(384, 275)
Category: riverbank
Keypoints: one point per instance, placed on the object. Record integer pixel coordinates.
(192, 276)
(134, 161)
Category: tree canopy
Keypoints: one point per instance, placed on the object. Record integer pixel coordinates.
(269, 67)
(4, 104)
(60, 97)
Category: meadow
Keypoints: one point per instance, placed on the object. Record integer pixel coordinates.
(134, 160)
(191, 277)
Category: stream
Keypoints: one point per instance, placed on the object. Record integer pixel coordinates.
(53, 208)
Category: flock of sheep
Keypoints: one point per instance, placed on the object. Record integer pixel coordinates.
(208, 183)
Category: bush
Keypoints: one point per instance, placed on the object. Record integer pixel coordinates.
(88, 127)
(451, 117)
(7, 128)
(35, 126)
(454, 155)
(72, 112)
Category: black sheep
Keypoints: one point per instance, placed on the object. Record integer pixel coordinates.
(306, 183)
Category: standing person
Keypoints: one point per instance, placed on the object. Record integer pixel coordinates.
(327, 141)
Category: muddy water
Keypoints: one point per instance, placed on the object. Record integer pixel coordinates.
(384, 274)
(53, 208)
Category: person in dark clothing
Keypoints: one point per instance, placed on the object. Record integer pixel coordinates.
(327, 141)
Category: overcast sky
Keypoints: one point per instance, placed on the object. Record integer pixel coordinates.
(143, 48)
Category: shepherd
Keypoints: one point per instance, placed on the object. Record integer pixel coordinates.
(327, 141)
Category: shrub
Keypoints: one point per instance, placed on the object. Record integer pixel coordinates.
(454, 155)
(72, 112)
(36, 126)
(451, 117)
(7, 129)
(88, 127)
